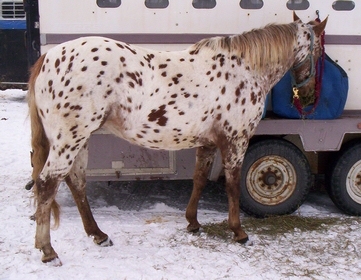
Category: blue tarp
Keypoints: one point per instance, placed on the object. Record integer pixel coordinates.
(12, 24)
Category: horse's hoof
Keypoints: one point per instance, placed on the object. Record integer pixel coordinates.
(193, 229)
(29, 185)
(248, 243)
(245, 241)
(52, 261)
(106, 242)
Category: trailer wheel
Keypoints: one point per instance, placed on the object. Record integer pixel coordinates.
(345, 181)
(275, 178)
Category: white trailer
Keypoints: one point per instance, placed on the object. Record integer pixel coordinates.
(284, 153)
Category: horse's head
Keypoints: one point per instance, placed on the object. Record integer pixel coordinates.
(308, 50)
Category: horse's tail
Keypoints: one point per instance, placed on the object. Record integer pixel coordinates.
(39, 140)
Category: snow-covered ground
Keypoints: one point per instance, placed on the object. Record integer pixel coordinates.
(152, 243)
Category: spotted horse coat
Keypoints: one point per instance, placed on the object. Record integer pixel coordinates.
(208, 96)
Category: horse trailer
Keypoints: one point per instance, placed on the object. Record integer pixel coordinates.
(285, 153)
(13, 57)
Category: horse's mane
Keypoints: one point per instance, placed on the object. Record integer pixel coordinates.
(259, 47)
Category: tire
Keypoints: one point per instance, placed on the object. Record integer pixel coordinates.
(345, 182)
(275, 178)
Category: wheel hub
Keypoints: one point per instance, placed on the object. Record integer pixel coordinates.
(353, 183)
(271, 180)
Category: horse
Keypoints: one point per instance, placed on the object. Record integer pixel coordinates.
(209, 96)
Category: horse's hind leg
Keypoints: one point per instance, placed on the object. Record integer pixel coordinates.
(45, 195)
(204, 159)
(76, 182)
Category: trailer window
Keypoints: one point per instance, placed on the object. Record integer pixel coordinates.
(251, 4)
(156, 4)
(109, 3)
(343, 5)
(298, 4)
(14, 10)
(204, 4)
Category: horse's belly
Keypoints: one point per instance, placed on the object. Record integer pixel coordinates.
(165, 141)
(155, 138)
(169, 147)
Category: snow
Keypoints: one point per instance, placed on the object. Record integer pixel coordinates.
(153, 243)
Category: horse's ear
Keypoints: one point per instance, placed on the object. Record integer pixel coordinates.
(319, 28)
(295, 17)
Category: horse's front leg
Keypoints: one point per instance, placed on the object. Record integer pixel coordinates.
(76, 183)
(233, 192)
(204, 160)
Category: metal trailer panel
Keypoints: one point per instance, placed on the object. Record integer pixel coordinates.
(113, 159)
(316, 135)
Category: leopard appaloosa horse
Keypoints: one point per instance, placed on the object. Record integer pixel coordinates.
(210, 96)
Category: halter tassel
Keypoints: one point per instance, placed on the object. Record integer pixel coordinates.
(296, 100)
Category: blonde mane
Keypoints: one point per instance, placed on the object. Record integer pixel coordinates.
(259, 47)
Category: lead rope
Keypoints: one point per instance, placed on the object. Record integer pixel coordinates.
(320, 65)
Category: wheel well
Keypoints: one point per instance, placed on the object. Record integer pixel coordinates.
(258, 138)
(350, 140)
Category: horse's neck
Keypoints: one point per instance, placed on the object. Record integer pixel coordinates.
(274, 73)
(277, 71)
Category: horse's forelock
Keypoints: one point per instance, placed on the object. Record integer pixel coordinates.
(313, 22)
(259, 47)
